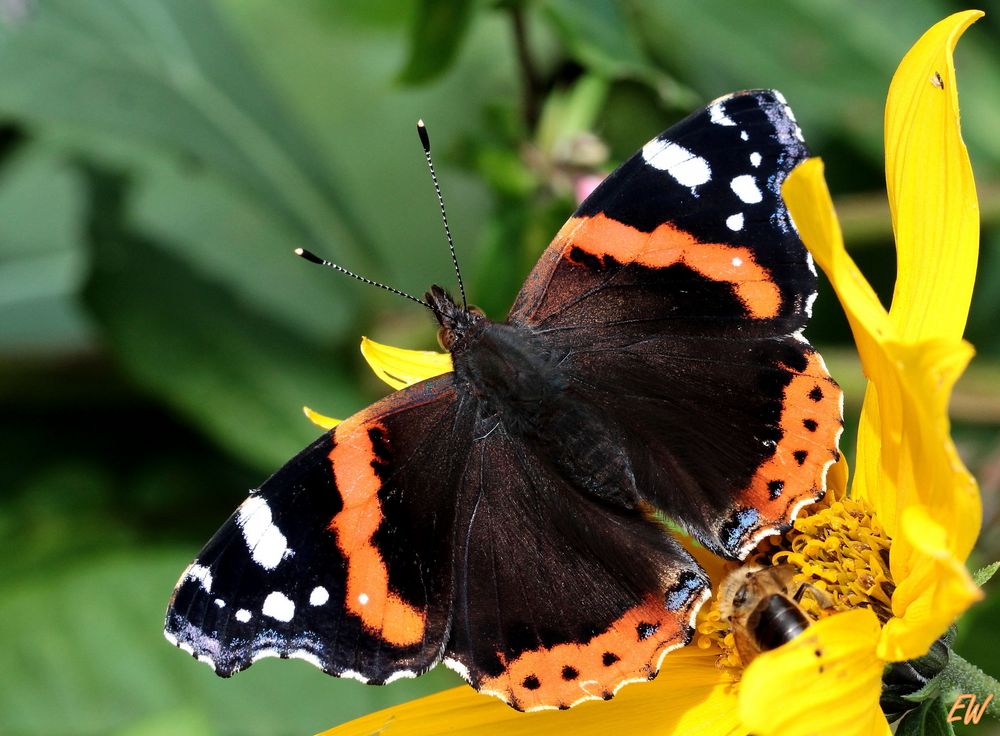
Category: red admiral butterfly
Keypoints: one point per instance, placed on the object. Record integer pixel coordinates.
(501, 517)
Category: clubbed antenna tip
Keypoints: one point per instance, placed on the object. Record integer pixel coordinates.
(308, 255)
(425, 140)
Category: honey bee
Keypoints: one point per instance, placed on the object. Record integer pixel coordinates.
(762, 607)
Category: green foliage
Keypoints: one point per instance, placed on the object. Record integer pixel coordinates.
(436, 35)
(84, 653)
(983, 574)
(930, 719)
(160, 159)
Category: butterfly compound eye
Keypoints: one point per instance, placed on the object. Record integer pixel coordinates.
(446, 338)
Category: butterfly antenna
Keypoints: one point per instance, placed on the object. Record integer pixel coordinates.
(425, 141)
(313, 258)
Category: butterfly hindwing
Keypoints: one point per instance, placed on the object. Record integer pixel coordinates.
(561, 597)
(677, 293)
(344, 556)
(731, 442)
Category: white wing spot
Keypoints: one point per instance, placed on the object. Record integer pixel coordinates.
(810, 300)
(688, 169)
(363, 599)
(461, 669)
(755, 159)
(735, 222)
(202, 574)
(220, 603)
(351, 674)
(267, 544)
(243, 615)
(746, 189)
(399, 675)
(718, 115)
(744, 135)
(306, 655)
(737, 262)
(278, 606)
(319, 596)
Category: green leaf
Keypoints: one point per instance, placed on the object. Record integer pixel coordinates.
(171, 74)
(437, 31)
(983, 574)
(929, 719)
(930, 690)
(832, 61)
(571, 112)
(42, 255)
(83, 652)
(601, 36)
(242, 377)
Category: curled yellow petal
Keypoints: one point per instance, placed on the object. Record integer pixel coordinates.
(400, 367)
(932, 195)
(935, 591)
(825, 681)
(320, 420)
(931, 472)
(836, 480)
(809, 202)
(691, 696)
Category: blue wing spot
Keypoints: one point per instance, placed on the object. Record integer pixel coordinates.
(686, 589)
(735, 529)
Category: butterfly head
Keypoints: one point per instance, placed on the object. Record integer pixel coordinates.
(455, 321)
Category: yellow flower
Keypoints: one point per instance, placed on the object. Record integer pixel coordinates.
(891, 556)
(396, 366)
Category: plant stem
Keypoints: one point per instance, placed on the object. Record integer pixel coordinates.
(961, 676)
(530, 83)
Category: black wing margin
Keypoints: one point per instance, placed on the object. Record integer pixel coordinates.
(343, 557)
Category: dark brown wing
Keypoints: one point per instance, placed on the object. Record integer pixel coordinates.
(344, 557)
(675, 298)
(560, 597)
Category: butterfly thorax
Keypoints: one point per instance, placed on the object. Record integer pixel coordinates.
(521, 385)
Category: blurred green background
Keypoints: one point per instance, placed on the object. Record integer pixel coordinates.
(160, 159)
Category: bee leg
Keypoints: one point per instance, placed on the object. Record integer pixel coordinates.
(820, 596)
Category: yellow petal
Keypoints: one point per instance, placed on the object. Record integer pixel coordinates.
(836, 480)
(320, 420)
(905, 454)
(932, 194)
(809, 202)
(400, 367)
(935, 591)
(826, 681)
(690, 697)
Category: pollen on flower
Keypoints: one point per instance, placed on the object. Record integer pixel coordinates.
(840, 553)
(714, 631)
(843, 550)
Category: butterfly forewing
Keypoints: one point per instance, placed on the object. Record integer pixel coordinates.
(676, 295)
(344, 557)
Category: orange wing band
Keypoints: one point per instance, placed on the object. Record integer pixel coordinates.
(668, 245)
(811, 424)
(629, 650)
(368, 596)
